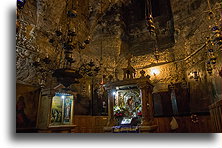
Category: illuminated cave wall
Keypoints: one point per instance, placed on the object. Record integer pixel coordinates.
(191, 28)
(111, 46)
(39, 20)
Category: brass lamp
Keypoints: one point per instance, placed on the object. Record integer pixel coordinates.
(196, 75)
(209, 68)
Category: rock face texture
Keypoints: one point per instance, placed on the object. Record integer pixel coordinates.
(117, 31)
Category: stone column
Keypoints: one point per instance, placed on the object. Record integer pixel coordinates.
(111, 121)
(147, 103)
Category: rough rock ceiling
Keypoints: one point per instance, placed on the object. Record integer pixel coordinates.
(128, 21)
(108, 22)
(50, 11)
(128, 16)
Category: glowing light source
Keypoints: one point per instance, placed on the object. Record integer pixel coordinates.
(114, 93)
(155, 71)
(63, 97)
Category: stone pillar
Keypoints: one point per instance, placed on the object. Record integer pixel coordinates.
(111, 121)
(147, 103)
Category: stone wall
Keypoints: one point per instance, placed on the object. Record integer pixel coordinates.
(193, 28)
(110, 46)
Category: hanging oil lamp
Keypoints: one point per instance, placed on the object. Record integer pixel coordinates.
(210, 15)
(68, 46)
(217, 37)
(46, 60)
(72, 32)
(87, 41)
(97, 69)
(72, 13)
(150, 24)
(149, 17)
(195, 75)
(68, 57)
(213, 59)
(209, 68)
(212, 56)
(82, 45)
(157, 54)
(91, 63)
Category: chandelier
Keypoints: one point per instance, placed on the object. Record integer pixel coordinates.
(61, 64)
(68, 42)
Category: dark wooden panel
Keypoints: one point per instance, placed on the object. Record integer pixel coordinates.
(90, 124)
(185, 124)
(95, 124)
(215, 113)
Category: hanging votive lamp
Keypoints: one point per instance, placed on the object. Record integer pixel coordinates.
(212, 56)
(82, 46)
(72, 13)
(87, 41)
(209, 68)
(68, 56)
(210, 15)
(156, 54)
(195, 75)
(213, 60)
(46, 60)
(150, 24)
(72, 33)
(217, 36)
(68, 46)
